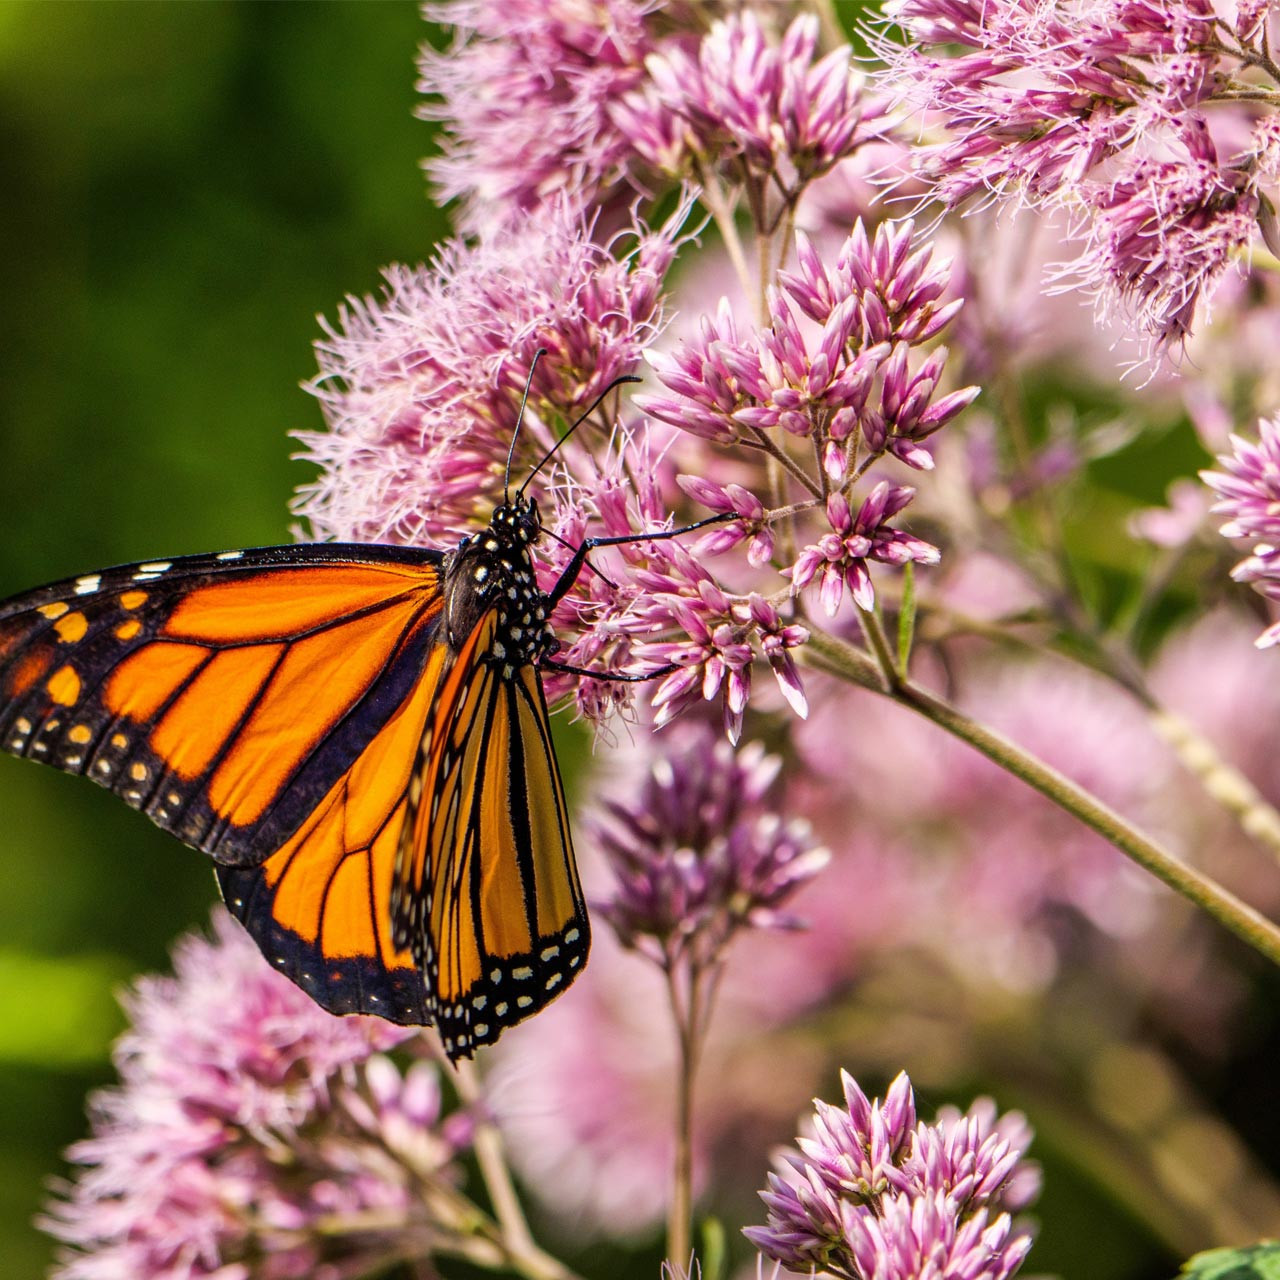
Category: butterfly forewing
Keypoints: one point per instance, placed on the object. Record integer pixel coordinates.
(221, 695)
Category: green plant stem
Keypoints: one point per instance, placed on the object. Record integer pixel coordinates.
(1223, 782)
(517, 1242)
(841, 659)
(680, 1212)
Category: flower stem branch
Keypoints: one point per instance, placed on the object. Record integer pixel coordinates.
(523, 1253)
(874, 631)
(843, 660)
(721, 211)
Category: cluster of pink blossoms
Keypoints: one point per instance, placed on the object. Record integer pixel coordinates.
(1034, 99)
(420, 386)
(804, 407)
(543, 99)
(254, 1126)
(872, 1194)
(698, 852)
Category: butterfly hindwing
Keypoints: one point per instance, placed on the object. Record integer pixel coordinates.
(221, 695)
(486, 893)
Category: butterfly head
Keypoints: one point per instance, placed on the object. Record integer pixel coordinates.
(518, 519)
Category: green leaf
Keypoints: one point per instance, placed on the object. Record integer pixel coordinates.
(1253, 1262)
(907, 616)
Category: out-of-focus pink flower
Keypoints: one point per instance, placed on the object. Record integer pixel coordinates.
(873, 1195)
(999, 866)
(250, 1125)
(697, 851)
(1248, 486)
(1177, 523)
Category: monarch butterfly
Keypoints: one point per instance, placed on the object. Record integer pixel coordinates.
(357, 734)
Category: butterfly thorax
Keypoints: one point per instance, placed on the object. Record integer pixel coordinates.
(492, 571)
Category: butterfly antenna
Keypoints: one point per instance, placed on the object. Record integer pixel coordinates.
(524, 399)
(600, 399)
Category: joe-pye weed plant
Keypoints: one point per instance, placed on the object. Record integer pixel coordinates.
(963, 764)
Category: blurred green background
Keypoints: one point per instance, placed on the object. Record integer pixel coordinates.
(184, 187)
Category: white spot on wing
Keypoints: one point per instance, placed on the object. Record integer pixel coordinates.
(88, 584)
(229, 555)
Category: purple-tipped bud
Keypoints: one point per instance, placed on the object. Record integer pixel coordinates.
(698, 852)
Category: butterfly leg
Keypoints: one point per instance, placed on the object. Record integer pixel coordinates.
(586, 564)
(588, 545)
(550, 664)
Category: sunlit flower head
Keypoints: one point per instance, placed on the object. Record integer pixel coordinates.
(421, 387)
(872, 1194)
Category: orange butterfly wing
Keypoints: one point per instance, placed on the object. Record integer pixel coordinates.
(221, 695)
(387, 812)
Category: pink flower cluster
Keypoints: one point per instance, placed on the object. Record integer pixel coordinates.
(525, 92)
(247, 1122)
(872, 1194)
(1034, 99)
(420, 387)
(550, 99)
(852, 392)
(698, 852)
(740, 104)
